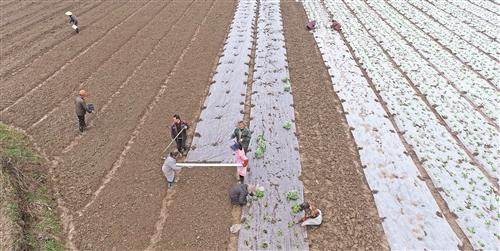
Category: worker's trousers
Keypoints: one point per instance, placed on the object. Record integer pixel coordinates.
(181, 144)
(81, 122)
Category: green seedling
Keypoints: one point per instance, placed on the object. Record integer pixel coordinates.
(287, 125)
(295, 208)
(259, 193)
(292, 195)
(261, 147)
(280, 233)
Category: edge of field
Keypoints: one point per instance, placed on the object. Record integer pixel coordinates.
(28, 210)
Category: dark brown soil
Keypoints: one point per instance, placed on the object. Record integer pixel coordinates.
(143, 61)
(148, 61)
(331, 170)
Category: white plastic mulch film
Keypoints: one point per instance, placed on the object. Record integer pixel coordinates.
(405, 203)
(225, 102)
(375, 30)
(269, 221)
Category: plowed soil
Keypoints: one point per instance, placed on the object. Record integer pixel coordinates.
(141, 62)
(331, 170)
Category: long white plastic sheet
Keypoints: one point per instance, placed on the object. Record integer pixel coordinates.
(269, 222)
(402, 199)
(466, 190)
(223, 106)
(471, 128)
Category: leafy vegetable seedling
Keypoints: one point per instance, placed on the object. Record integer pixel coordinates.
(280, 233)
(292, 195)
(296, 208)
(259, 193)
(287, 125)
(261, 146)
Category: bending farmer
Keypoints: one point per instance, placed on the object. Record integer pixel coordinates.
(312, 215)
(238, 193)
(169, 167)
(73, 21)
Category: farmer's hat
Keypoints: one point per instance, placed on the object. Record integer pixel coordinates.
(68, 13)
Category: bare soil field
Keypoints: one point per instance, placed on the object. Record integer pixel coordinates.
(142, 62)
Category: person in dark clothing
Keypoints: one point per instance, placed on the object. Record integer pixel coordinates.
(179, 129)
(242, 135)
(74, 21)
(81, 109)
(238, 193)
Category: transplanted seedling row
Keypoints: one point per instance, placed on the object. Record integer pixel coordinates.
(400, 194)
(275, 163)
(464, 187)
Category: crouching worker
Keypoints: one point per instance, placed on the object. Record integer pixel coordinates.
(312, 216)
(239, 192)
(336, 25)
(169, 167)
(311, 25)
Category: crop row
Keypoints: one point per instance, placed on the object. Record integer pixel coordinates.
(225, 102)
(403, 200)
(466, 190)
(462, 118)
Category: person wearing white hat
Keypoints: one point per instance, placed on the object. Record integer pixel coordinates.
(73, 21)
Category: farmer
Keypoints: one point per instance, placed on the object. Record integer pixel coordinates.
(178, 131)
(311, 25)
(81, 109)
(169, 167)
(238, 193)
(336, 25)
(241, 158)
(242, 135)
(312, 216)
(73, 21)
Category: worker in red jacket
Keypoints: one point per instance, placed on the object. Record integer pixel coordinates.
(178, 131)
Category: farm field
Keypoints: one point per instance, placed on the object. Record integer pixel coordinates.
(389, 126)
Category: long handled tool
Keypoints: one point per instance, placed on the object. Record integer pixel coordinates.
(162, 152)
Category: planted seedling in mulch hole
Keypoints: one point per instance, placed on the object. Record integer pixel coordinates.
(296, 208)
(264, 245)
(290, 224)
(261, 146)
(259, 193)
(292, 195)
(287, 125)
(280, 233)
